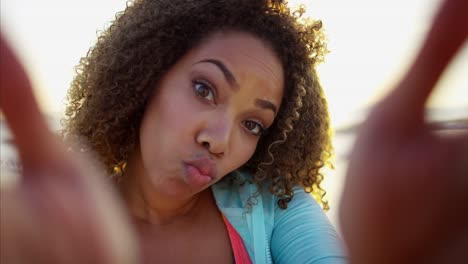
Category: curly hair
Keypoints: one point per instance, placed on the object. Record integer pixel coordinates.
(116, 79)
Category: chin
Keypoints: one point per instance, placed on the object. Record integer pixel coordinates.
(180, 190)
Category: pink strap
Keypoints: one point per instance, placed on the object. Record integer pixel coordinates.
(241, 256)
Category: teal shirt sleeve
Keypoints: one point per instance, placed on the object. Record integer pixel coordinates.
(303, 234)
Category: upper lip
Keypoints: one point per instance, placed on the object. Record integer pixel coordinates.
(206, 166)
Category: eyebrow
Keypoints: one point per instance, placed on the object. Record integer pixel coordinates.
(265, 105)
(233, 83)
(226, 72)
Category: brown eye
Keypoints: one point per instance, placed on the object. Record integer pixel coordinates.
(254, 127)
(203, 90)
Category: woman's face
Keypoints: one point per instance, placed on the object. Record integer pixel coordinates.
(209, 112)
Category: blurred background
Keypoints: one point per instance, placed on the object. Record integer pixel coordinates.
(371, 44)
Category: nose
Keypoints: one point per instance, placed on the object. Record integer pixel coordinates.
(216, 135)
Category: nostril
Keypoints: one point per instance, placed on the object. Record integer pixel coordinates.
(206, 145)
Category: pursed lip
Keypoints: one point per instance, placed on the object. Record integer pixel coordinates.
(204, 166)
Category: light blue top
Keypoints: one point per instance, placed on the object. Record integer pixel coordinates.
(300, 234)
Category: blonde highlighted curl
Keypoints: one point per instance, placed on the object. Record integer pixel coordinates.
(116, 79)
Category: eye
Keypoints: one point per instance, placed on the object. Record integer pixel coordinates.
(203, 90)
(254, 127)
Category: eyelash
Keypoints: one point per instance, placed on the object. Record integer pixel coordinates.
(260, 127)
(207, 85)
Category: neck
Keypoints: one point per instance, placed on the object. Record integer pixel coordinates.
(148, 205)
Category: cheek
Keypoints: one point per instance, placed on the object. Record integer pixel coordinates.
(172, 111)
(164, 122)
(176, 116)
(242, 151)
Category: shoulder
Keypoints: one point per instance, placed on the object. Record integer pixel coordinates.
(303, 231)
(238, 189)
(301, 204)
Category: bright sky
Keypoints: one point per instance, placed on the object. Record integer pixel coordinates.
(371, 43)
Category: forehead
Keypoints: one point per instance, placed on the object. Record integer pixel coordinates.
(251, 60)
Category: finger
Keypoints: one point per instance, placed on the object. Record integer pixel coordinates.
(36, 144)
(458, 168)
(447, 34)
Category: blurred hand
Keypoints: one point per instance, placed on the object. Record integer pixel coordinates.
(61, 211)
(406, 193)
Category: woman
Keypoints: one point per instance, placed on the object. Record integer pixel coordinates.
(211, 120)
(208, 111)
